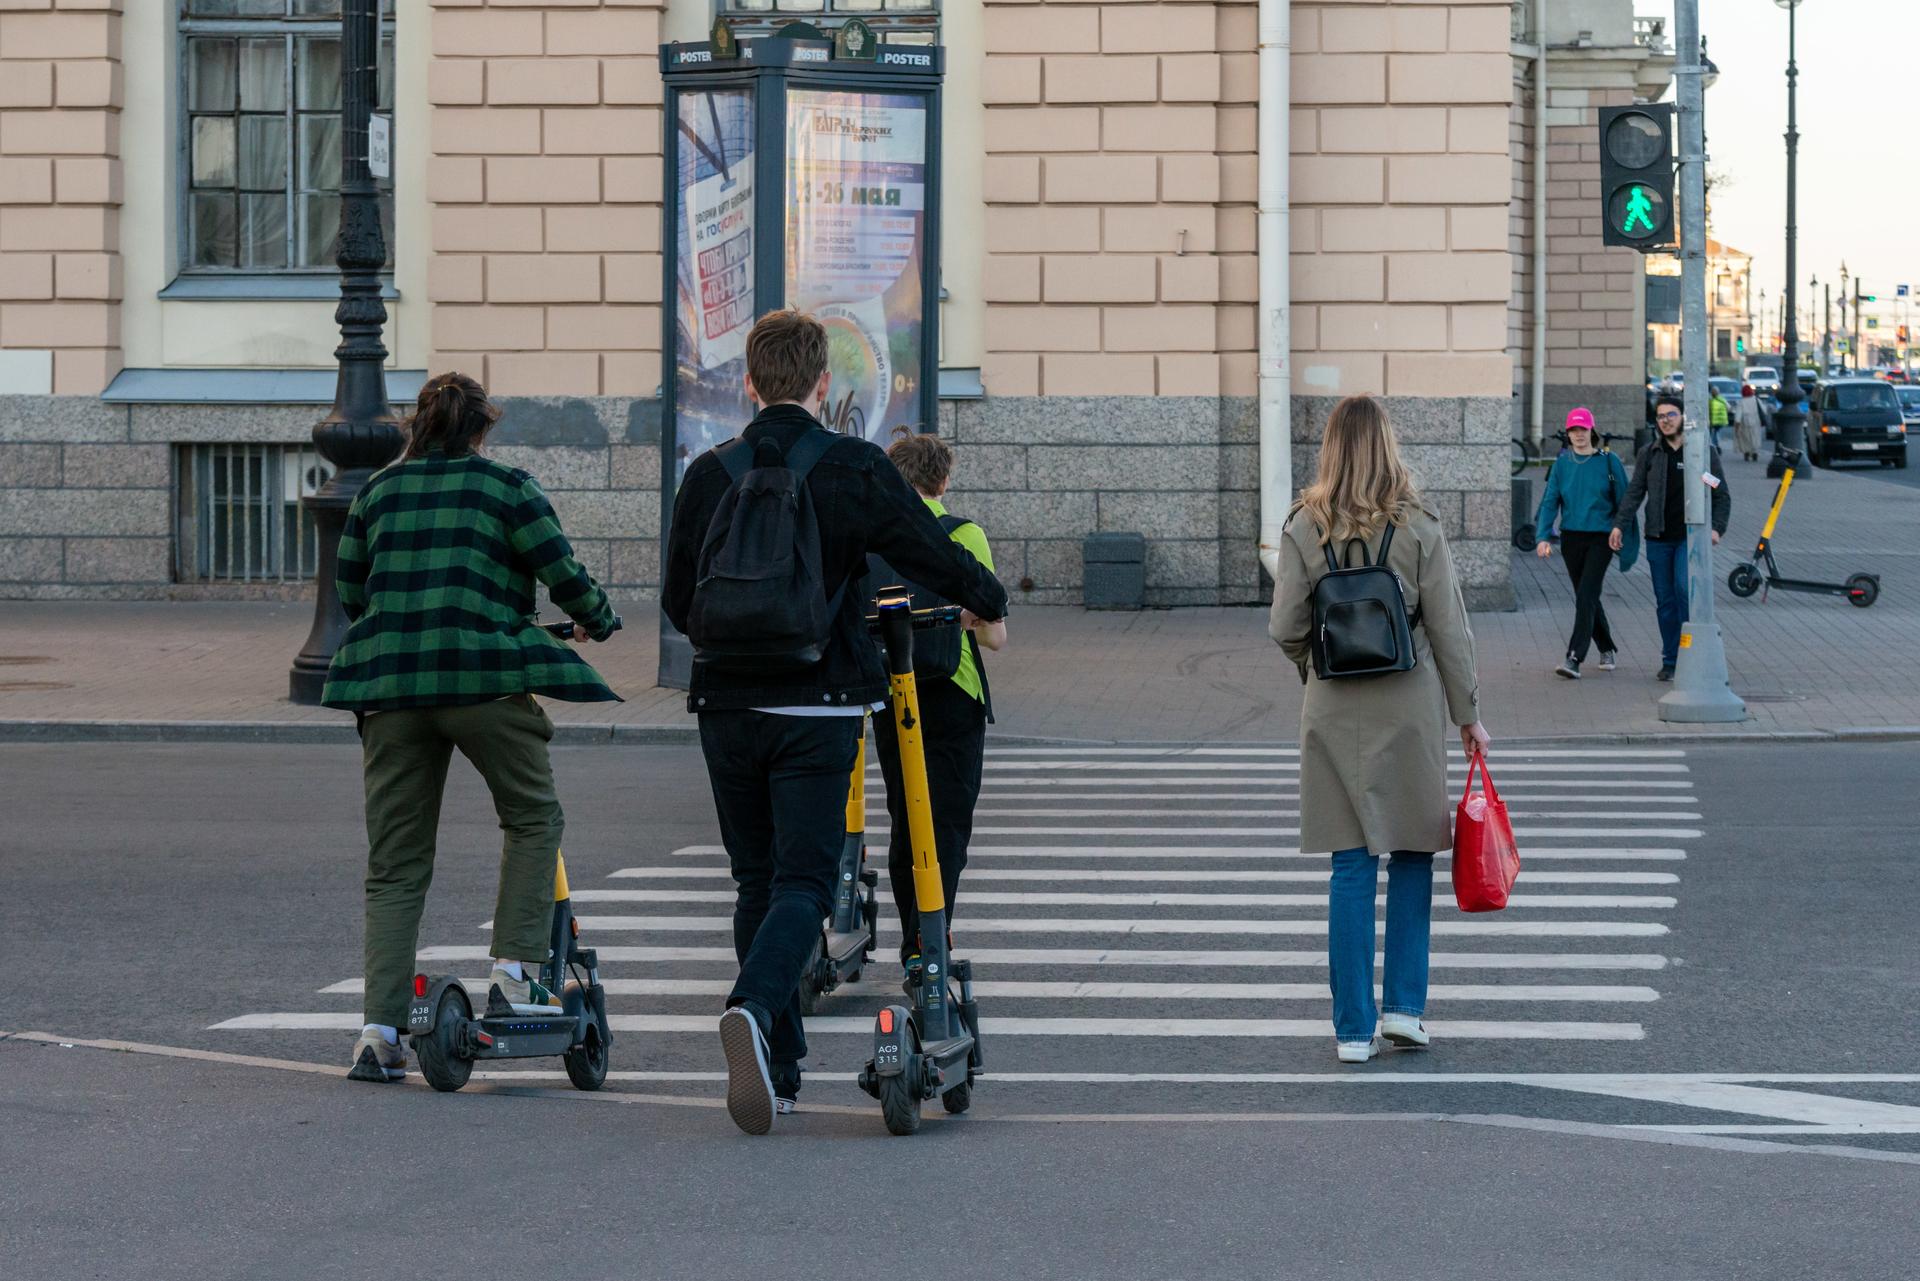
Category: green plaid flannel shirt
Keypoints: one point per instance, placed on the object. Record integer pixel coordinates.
(436, 570)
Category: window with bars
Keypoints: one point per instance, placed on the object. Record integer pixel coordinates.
(893, 21)
(261, 134)
(240, 516)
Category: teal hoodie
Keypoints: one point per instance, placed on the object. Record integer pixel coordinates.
(1582, 493)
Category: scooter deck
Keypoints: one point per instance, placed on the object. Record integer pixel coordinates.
(522, 1036)
(845, 948)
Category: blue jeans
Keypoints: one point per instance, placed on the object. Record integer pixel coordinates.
(1356, 875)
(1667, 562)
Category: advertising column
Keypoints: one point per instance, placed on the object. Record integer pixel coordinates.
(714, 295)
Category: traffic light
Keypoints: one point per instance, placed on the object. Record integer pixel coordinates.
(1740, 345)
(1636, 175)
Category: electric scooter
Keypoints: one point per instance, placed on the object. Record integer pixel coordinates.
(848, 936)
(929, 1048)
(1861, 590)
(447, 1039)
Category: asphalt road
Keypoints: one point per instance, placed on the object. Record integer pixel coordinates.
(1718, 943)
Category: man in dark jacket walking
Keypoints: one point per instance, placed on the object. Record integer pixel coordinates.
(1659, 480)
(781, 744)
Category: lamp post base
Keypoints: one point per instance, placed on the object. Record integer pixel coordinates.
(1700, 693)
(309, 674)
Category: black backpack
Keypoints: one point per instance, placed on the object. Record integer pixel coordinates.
(936, 651)
(1360, 621)
(759, 595)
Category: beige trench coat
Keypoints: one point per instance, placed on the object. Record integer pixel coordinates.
(1373, 749)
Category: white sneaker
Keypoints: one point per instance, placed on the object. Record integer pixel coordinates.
(1357, 1051)
(1405, 1031)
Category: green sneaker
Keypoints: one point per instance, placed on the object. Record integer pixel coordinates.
(377, 1061)
(509, 995)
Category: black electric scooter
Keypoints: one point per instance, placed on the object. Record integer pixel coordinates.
(847, 938)
(447, 1039)
(929, 1048)
(1861, 590)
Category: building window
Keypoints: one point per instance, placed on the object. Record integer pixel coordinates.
(261, 126)
(240, 516)
(894, 21)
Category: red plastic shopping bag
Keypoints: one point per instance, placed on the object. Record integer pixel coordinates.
(1485, 858)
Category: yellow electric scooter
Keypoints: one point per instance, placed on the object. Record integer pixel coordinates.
(1861, 590)
(929, 1048)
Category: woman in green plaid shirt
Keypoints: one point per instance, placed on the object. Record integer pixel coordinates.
(437, 565)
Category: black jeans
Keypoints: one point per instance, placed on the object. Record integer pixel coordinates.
(956, 744)
(1587, 556)
(780, 790)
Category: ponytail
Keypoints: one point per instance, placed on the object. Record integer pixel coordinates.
(453, 415)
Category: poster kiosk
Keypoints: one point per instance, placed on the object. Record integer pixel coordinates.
(801, 171)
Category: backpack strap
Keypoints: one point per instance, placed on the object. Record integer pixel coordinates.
(808, 450)
(1386, 543)
(736, 456)
(950, 523)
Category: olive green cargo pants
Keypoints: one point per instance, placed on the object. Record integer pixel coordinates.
(405, 754)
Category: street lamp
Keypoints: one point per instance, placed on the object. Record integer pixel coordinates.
(360, 435)
(1790, 420)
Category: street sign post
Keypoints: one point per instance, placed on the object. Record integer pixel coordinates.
(801, 172)
(1636, 175)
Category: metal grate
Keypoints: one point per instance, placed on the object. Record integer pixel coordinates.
(241, 520)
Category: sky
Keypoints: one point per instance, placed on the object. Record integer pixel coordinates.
(1859, 95)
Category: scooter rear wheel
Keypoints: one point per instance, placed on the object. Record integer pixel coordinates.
(1862, 590)
(1744, 581)
(439, 1050)
(958, 1099)
(899, 1105)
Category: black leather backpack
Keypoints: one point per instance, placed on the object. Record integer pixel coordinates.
(1360, 621)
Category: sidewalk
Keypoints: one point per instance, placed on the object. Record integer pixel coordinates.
(1805, 664)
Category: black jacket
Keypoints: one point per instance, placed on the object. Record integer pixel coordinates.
(862, 504)
(1650, 483)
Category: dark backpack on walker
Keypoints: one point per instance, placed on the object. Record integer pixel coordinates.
(1360, 621)
(759, 596)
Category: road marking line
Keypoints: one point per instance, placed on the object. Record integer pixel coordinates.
(1154, 1029)
(1476, 927)
(1143, 898)
(614, 954)
(1543, 833)
(1022, 989)
(1629, 754)
(1103, 852)
(1749, 1100)
(1456, 765)
(1280, 796)
(1278, 787)
(1174, 874)
(1267, 812)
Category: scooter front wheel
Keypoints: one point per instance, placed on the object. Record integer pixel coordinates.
(1863, 590)
(1744, 581)
(439, 1050)
(586, 1062)
(958, 1099)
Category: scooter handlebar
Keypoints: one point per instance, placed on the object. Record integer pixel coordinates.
(922, 619)
(566, 628)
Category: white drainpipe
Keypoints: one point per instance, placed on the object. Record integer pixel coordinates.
(1276, 298)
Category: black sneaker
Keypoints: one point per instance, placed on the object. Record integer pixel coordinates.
(1665, 673)
(749, 1085)
(1608, 660)
(786, 1088)
(1569, 668)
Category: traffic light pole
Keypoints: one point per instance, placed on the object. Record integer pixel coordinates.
(1700, 692)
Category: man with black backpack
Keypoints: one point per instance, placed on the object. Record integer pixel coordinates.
(763, 564)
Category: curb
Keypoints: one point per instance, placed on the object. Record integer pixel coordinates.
(595, 735)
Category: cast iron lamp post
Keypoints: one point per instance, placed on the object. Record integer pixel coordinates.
(361, 434)
(1790, 420)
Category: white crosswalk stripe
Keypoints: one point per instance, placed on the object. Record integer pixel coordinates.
(1095, 867)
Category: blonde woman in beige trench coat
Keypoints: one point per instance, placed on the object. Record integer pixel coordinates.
(1373, 764)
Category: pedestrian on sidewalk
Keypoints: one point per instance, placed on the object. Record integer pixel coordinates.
(437, 564)
(950, 678)
(779, 726)
(1373, 749)
(1747, 432)
(1660, 481)
(1718, 414)
(1584, 488)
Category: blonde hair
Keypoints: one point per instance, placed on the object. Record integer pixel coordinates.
(1363, 483)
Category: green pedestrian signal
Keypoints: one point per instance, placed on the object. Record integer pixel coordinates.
(1636, 175)
(1639, 212)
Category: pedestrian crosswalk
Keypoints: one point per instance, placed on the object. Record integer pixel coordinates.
(1151, 899)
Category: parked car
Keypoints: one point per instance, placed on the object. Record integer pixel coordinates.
(1857, 420)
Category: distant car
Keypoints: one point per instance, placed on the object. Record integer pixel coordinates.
(1909, 405)
(1764, 378)
(1898, 377)
(1857, 420)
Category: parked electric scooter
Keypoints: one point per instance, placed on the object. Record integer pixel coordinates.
(847, 938)
(447, 1038)
(1860, 590)
(929, 1048)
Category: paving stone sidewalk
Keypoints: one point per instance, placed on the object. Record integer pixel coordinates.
(1806, 664)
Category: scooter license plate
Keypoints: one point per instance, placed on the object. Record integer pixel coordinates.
(1864, 445)
(420, 1016)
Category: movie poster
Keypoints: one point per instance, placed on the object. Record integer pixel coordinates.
(855, 239)
(715, 305)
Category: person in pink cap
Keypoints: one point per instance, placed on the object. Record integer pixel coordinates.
(1583, 489)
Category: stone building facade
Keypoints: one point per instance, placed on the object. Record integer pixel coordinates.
(1098, 343)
